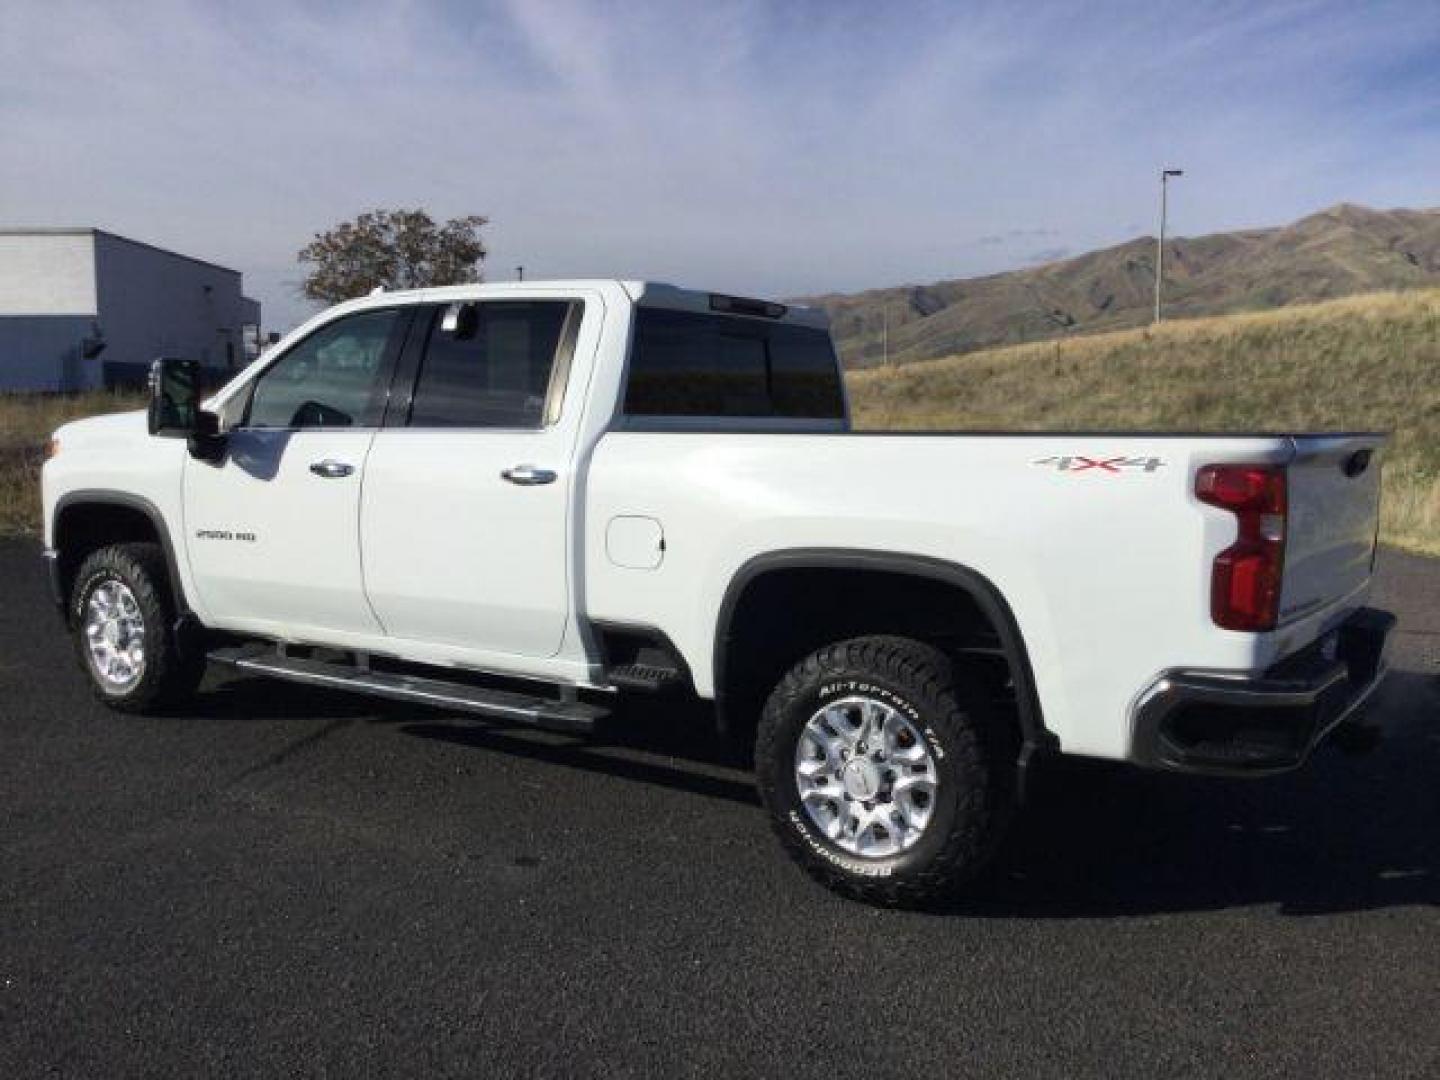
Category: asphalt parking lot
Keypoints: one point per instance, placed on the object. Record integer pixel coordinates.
(286, 881)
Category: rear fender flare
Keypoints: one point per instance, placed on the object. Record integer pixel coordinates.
(991, 602)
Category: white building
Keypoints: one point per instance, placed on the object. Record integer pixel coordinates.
(83, 308)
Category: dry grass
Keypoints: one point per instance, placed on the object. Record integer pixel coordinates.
(26, 421)
(1366, 362)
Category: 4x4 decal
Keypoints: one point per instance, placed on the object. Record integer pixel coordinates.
(1081, 463)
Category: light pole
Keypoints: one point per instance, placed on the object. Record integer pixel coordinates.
(1165, 175)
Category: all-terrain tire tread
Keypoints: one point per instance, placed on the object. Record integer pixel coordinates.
(971, 734)
(170, 675)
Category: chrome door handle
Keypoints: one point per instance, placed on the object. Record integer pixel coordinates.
(528, 475)
(331, 469)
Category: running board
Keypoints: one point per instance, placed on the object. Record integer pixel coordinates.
(553, 714)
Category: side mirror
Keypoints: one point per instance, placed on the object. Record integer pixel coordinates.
(175, 408)
(174, 396)
(207, 441)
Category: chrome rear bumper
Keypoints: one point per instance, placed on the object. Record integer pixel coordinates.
(1204, 722)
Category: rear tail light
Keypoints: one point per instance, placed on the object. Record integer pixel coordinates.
(1245, 582)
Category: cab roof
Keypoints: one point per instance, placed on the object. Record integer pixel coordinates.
(642, 293)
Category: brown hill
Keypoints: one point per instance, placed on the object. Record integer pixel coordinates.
(1338, 252)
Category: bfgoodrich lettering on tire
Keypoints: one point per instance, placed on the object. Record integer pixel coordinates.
(885, 777)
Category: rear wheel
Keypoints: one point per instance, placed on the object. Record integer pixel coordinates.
(885, 776)
(123, 617)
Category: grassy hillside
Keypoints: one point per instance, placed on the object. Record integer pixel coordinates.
(1342, 251)
(1370, 362)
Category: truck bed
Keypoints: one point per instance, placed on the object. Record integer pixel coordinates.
(1096, 540)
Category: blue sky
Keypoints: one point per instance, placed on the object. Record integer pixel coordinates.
(771, 148)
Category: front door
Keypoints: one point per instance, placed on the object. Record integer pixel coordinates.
(272, 532)
(464, 516)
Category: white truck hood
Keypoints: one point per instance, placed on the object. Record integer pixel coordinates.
(122, 427)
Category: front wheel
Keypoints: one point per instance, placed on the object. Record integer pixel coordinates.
(885, 776)
(123, 618)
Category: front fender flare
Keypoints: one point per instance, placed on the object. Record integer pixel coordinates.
(63, 574)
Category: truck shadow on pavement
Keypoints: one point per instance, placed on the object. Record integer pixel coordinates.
(671, 744)
(666, 744)
(1342, 834)
(1095, 840)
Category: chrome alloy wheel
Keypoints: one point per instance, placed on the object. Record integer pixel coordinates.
(866, 776)
(115, 634)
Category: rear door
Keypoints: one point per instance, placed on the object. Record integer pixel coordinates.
(1334, 508)
(272, 531)
(464, 520)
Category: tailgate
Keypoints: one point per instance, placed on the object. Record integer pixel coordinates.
(1334, 508)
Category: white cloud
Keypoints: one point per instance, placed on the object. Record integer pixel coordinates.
(770, 148)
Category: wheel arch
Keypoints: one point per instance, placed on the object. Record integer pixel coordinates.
(959, 580)
(86, 520)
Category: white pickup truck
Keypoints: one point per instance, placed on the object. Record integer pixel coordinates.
(523, 500)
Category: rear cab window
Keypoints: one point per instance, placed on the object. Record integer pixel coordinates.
(718, 365)
(495, 364)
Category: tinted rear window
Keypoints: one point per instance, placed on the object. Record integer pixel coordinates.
(492, 369)
(688, 363)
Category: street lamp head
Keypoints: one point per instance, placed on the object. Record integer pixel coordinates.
(1173, 172)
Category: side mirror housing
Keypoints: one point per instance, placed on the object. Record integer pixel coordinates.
(207, 442)
(174, 396)
(175, 408)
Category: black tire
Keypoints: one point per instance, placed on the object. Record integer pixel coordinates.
(973, 799)
(170, 673)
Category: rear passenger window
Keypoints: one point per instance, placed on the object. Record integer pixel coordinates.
(490, 364)
(686, 363)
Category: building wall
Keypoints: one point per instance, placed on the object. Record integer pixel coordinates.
(47, 273)
(155, 303)
(62, 288)
(42, 352)
(47, 307)
(251, 339)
